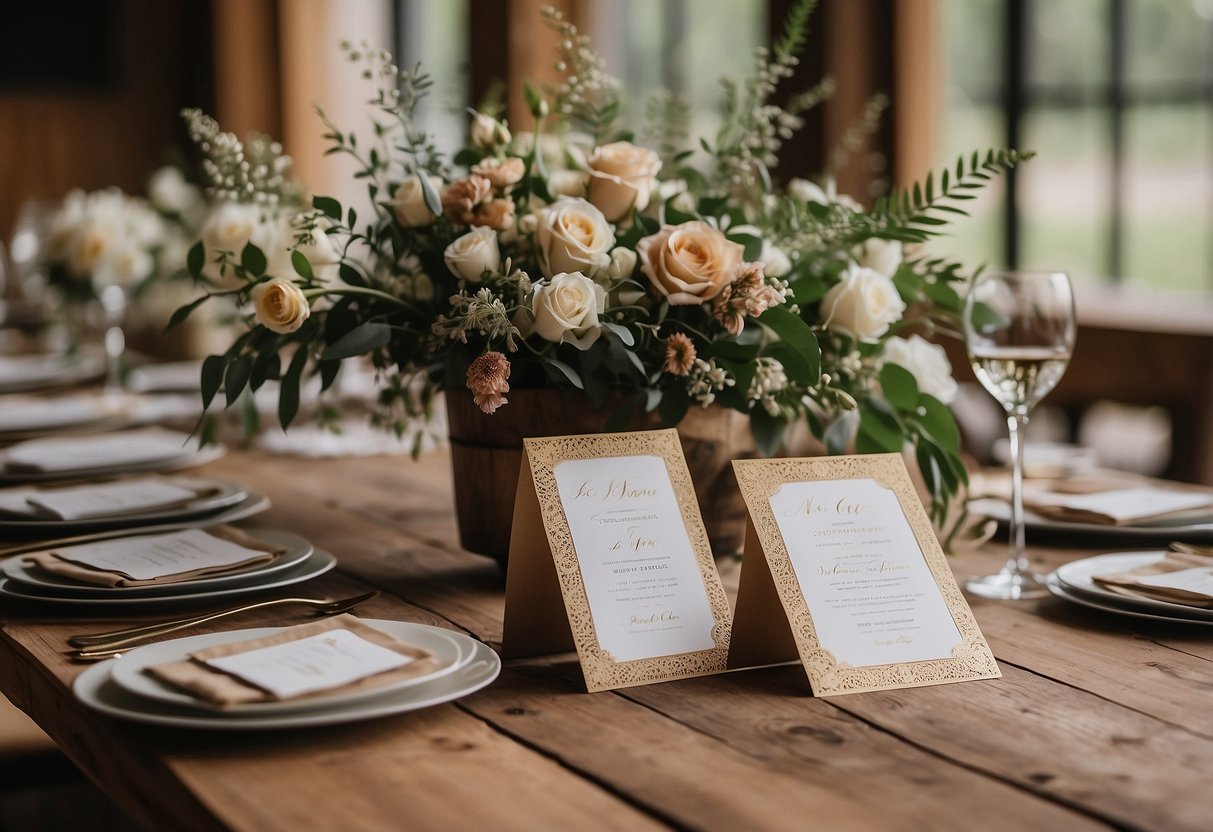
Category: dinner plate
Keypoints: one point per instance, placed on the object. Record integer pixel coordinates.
(298, 549)
(1058, 589)
(1156, 531)
(1078, 577)
(28, 416)
(21, 373)
(220, 494)
(188, 458)
(96, 688)
(173, 377)
(312, 566)
(129, 672)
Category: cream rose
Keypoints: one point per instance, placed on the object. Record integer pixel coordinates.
(230, 227)
(775, 262)
(487, 132)
(623, 263)
(862, 304)
(927, 362)
(408, 202)
(280, 305)
(567, 182)
(471, 255)
(883, 256)
(622, 177)
(566, 309)
(573, 236)
(689, 263)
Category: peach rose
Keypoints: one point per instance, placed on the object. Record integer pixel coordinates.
(502, 173)
(622, 177)
(689, 263)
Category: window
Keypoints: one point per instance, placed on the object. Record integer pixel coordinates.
(1117, 96)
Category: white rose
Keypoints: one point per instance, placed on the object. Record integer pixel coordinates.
(567, 182)
(487, 133)
(623, 263)
(927, 362)
(622, 177)
(170, 192)
(471, 255)
(883, 256)
(280, 305)
(573, 236)
(862, 304)
(566, 309)
(91, 245)
(775, 262)
(125, 266)
(321, 254)
(806, 191)
(230, 227)
(408, 202)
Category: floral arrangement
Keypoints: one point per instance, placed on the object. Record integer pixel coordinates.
(628, 266)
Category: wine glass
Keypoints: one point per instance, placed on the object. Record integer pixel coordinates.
(1019, 332)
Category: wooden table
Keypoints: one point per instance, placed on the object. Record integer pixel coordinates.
(1097, 722)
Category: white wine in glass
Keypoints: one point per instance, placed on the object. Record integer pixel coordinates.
(1019, 332)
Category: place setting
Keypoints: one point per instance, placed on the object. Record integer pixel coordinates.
(52, 458)
(38, 371)
(150, 568)
(326, 672)
(1173, 586)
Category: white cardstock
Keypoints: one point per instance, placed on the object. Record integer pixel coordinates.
(1126, 504)
(1198, 580)
(157, 556)
(863, 575)
(641, 577)
(110, 499)
(326, 660)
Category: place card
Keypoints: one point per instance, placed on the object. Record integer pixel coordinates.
(326, 660)
(112, 499)
(608, 556)
(843, 570)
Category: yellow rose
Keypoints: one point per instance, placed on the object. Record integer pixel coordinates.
(689, 263)
(862, 304)
(408, 202)
(622, 177)
(280, 305)
(566, 309)
(573, 236)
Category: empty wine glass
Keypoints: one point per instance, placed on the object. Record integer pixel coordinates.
(1019, 332)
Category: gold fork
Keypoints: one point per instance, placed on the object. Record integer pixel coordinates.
(101, 645)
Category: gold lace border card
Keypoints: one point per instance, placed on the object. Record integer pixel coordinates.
(608, 556)
(843, 571)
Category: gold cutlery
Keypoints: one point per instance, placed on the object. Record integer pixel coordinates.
(102, 645)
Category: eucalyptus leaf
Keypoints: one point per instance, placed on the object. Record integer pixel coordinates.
(622, 332)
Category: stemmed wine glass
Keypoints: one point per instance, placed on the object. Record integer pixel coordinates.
(1019, 332)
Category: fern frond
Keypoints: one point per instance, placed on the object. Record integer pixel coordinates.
(795, 29)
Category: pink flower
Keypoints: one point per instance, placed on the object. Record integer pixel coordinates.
(486, 378)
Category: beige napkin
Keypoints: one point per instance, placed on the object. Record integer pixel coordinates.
(1120, 506)
(53, 561)
(214, 687)
(25, 502)
(1130, 584)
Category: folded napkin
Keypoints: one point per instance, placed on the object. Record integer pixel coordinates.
(149, 560)
(1180, 577)
(102, 500)
(17, 368)
(134, 447)
(338, 654)
(27, 414)
(1120, 506)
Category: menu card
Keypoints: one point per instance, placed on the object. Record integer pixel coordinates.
(842, 569)
(86, 502)
(609, 556)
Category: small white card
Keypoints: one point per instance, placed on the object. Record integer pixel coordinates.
(127, 448)
(1127, 504)
(645, 590)
(1198, 580)
(326, 660)
(109, 499)
(158, 556)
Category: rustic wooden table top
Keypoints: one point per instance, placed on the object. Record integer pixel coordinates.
(1098, 722)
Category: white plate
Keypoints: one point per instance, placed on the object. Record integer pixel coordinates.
(128, 673)
(1077, 577)
(20, 373)
(175, 377)
(97, 690)
(24, 415)
(1156, 531)
(298, 549)
(187, 459)
(1055, 587)
(314, 565)
(224, 494)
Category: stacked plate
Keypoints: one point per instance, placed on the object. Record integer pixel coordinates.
(299, 562)
(20, 373)
(1194, 529)
(122, 689)
(95, 456)
(1074, 582)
